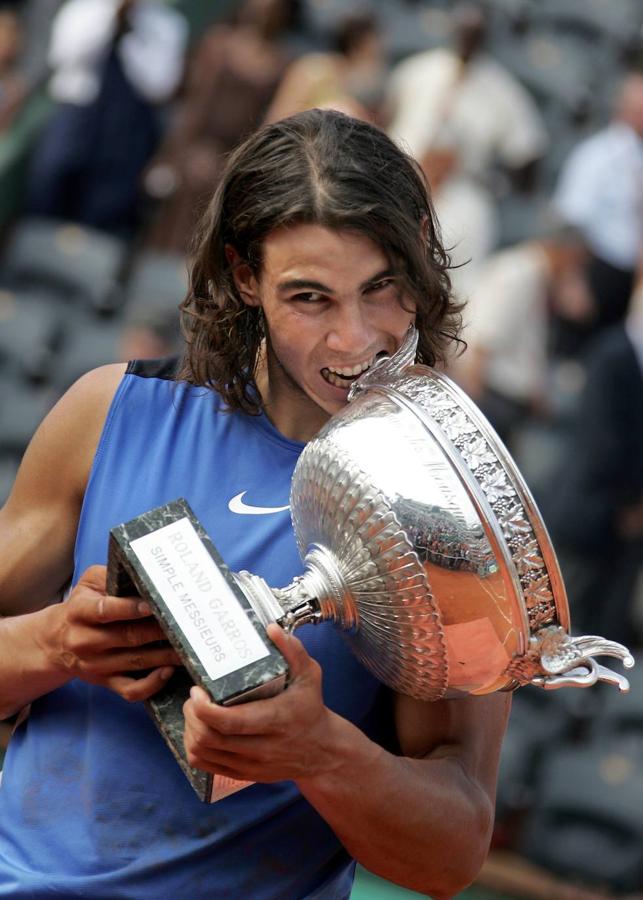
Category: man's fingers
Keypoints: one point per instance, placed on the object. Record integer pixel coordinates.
(90, 639)
(104, 664)
(136, 660)
(118, 609)
(134, 634)
(222, 762)
(257, 717)
(294, 652)
(135, 689)
(244, 719)
(95, 577)
(204, 717)
(89, 605)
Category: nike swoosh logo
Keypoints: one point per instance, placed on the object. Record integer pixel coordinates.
(236, 505)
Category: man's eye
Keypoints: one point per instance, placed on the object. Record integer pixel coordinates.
(308, 297)
(380, 285)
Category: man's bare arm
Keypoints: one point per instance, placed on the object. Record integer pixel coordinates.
(423, 819)
(91, 636)
(38, 523)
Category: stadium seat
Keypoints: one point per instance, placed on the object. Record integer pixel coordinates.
(71, 262)
(619, 719)
(539, 720)
(88, 343)
(157, 281)
(587, 821)
(31, 329)
(22, 409)
(560, 70)
(619, 20)
(8, 468)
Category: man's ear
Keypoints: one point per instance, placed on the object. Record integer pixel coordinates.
(424, 229)
(244, 278)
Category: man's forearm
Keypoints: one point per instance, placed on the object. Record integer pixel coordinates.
(423, 820)
(422, 823)
(27, 668)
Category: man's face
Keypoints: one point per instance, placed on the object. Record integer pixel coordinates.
(331, 304)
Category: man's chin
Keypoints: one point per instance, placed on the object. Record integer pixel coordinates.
(334, 402)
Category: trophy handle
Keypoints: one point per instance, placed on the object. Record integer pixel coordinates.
(387, 366)
(582, 676)
(555, 659)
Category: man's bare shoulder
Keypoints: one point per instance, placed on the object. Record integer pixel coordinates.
(97, 386)
(61, 451)
(40, 518)
(75, 423)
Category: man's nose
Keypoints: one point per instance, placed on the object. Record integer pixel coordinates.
(350, 332)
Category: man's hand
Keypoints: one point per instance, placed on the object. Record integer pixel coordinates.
(100, 638)
(285, 737)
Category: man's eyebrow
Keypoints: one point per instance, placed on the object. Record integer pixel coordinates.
(301, 284)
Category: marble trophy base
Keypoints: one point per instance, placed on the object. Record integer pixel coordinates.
(166, 557)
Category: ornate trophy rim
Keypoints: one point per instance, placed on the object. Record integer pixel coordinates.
(479, 497)
(522, 490)
(395, 376)
(473, 489)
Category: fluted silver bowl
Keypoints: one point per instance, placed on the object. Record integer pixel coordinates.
(422, 542)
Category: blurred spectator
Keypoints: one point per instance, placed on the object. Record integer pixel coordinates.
(460, 102)
(594, 505)
(468, 220)
(231, 81)
(461, 114)
(601, 192)
(36, 17)
(150, 333)
(32, 21)
(505, 366)
(350, 78)
(114, 62)
(12, 84)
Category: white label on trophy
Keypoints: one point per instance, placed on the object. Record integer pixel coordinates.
(200, 599)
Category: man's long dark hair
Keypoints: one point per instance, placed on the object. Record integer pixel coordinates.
(317, 167)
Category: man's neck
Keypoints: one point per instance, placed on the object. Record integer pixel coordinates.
(289, 409)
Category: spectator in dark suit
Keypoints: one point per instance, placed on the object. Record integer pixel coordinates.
(594, 506)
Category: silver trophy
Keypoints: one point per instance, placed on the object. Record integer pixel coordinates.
(420, 541)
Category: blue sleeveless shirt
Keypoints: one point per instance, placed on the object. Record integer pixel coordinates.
(92, 803)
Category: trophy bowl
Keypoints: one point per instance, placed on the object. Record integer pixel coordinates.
(423, 543)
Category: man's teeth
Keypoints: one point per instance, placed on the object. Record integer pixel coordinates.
(335, 380)
(341, 377)
(351, 371)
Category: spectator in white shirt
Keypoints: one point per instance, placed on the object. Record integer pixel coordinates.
(463, 98)
(114, 62)
(460, 113)
(601, 192)
(504, 367)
